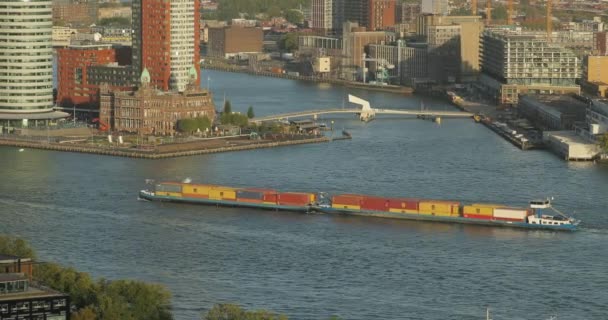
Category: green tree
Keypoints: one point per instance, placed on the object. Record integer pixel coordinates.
(235, 119)
(227, 107)
(603, 142)
(499, 13)
(186, 125)
(274, 11)
(115, 22)
(234, 312)
(250, 113)
(289, 42)
(16, 247)
(294, 16)
(203, 123)
(86, 313)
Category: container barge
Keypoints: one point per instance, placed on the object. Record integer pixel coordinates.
(532, 217)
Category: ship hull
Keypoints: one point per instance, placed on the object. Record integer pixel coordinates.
(224, 203)
(448, 219)
(363, 213)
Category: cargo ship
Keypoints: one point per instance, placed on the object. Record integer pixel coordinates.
(533, 217)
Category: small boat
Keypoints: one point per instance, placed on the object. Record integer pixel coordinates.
(21, 150)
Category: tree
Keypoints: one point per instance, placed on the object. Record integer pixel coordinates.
(499, 13)
(289, 42)
(227, 107)
(294, 16)
(229, 311)
(235, 119)
(273, 11)
(603, 142)
(16, 247)
(186, 125)
(115, 22)
(250, 113)
(120, 299)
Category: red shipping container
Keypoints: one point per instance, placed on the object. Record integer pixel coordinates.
(374, 203)
(477, 216)
(270, 197)
(294, 198)
(260, 190)
(408, 204)
(347, 199)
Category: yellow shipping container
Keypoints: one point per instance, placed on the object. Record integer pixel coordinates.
(345, 206)
(478, 210)
(169, 194)
(444, 214)
(401, 210)
(222, 193)
(435, 207)
(199, 189)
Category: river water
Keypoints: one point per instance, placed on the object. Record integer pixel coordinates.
(82, 211)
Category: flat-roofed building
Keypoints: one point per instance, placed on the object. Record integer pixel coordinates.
(409, 65)
(230, 41)
(381, 14)
(553, 112)
(595, 75)
(514, 63)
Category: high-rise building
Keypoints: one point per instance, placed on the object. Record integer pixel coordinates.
(166, 36)
(439, 7)
(26, 62)
(381, 14)
(407, 12)
(514, 63)
(357, 11)
(600, 43)
(322, 15)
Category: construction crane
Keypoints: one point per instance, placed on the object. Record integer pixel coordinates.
(474, 7)
(488, 12)
(549, 21)
(510, 13)
(382, 67)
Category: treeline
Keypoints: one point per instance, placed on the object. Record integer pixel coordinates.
(235, 312)
(96, 299)
(229, 9)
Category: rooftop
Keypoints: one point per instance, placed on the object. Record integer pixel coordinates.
(6, 258)
(565, 104)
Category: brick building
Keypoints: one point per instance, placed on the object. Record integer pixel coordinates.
(74, 63)
(226, 42)
(150, 111)
(22, 299)
(381, 14)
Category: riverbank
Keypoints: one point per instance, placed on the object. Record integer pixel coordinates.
(169, 150)
(345, 83)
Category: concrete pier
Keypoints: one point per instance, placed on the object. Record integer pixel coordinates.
(155, 154)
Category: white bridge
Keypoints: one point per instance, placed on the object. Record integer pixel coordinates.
(365, 113)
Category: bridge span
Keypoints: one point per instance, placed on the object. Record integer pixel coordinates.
(365, 113)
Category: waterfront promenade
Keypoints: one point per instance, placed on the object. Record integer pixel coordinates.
(167, 150)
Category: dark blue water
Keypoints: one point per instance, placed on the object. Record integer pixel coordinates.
(82, 210)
